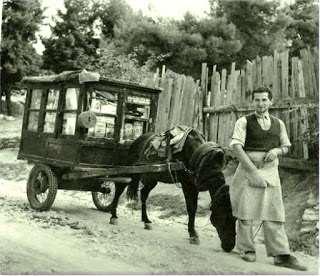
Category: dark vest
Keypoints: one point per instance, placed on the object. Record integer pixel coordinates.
(258, 139)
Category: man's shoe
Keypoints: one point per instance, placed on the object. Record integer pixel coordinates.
(288, 261)
(248, 256)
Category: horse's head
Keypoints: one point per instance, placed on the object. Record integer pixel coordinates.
(222, 218)
(209, 176)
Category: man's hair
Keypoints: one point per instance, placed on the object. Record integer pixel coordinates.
(262, 90)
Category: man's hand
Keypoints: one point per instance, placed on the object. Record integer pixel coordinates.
(272, 154)
(255, 180)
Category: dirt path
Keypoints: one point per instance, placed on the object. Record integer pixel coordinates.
(73, 237)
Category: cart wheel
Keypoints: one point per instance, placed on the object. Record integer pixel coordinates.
(42, 187)
(103, 200)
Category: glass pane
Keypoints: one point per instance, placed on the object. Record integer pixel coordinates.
(36, 98)
(33, 121)
(104, 102)
(132, 130)
(53, 97)
(104, 127)
(69, 123)
(72, 95)
(49, 122)
(138, 107)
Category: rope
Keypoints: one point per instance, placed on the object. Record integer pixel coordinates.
(174, 179)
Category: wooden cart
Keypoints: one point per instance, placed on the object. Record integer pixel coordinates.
(77, 130)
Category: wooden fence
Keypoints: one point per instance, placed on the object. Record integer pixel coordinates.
(214, 104)
(179, 102)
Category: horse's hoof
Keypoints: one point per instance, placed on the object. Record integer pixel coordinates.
(113, 221)
(194, 240)
(148, 226)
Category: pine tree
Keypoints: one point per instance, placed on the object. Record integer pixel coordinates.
(20, 22)
(73, 44)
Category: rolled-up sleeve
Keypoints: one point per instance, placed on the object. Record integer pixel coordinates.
(284, 139)
(239, 132)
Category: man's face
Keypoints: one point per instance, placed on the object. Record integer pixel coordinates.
(261, 102)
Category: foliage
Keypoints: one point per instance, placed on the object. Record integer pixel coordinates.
(259, 24)
(72, 44)
(21, 19)
(179, 44)
(20, 22)
(122, 67)
(303, 28)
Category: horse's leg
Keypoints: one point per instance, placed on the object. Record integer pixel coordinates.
(191, 198)
(148, 185)
(114, 204)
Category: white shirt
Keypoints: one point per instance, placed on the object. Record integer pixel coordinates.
(240, 130)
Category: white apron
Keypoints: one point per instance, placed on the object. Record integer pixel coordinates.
(255, 203)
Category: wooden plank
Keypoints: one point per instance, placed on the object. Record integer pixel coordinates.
(143, 168)
(226, 116)
(294, 120)
(284, 59)
(236, 95)
(314, 72)
(175, 101)
(276, 88)
(258, 72)
(188, 102)
(161, 120)
(306, 69)
(301, 90)
(163, 71)
(197, 102)
(314, 59)
(223, 86)
(243, 87)
(249, 81)
(254, 75)
(215, 96)
(304, 129)
(294, 88)
(286, 121)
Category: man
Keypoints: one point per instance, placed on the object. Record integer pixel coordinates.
(255, 191)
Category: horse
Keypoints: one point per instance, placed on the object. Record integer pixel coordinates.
(203, 163)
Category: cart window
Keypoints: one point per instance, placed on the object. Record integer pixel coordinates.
(137, 114)
(34, 109)
(51, 110)
(104, 105)
(70, 111)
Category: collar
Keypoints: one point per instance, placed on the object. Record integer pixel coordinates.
(263, 116)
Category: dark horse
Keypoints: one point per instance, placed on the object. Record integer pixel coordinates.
(203, 172)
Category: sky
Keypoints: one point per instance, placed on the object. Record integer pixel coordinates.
(154, 8)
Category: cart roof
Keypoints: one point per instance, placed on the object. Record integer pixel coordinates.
(84, 77)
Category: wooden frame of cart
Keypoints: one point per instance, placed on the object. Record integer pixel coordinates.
(77, 130)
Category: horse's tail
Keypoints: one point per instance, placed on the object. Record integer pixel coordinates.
(135, 155)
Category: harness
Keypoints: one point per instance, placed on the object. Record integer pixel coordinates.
(200, 152)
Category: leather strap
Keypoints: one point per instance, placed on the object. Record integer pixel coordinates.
(201, 151)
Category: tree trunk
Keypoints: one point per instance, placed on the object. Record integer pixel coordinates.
(1, 101)
(8, 101)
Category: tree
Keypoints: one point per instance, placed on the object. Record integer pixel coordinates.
(20, 22)
(72, 44)
(303, 28)
(260, 25)
(75, 40)
(182, 45)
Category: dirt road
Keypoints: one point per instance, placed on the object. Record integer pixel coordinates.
(73, 237)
